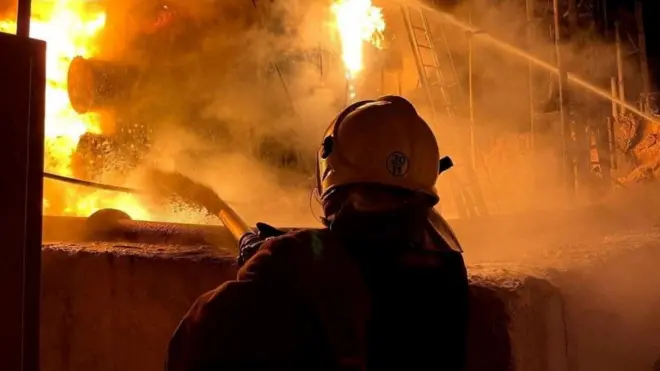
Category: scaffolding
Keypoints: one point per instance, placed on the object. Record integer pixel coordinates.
(585, 141)
(439, 79)
(585, 147)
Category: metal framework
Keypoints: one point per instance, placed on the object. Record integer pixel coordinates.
(22, 116)
(443, 90)
(579, 140)
(586, 140)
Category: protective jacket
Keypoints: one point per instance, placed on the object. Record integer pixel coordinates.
(323, 300)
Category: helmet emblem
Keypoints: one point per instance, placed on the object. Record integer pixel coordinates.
(397, 164)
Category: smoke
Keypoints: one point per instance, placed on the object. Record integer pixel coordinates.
(8, 8)
(252, 91)
(215, 93)
(256, 190)
(519, 171)
(211, 120)
(234, 97)
(598, 256)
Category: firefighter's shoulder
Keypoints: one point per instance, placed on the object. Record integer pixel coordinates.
(290, 252)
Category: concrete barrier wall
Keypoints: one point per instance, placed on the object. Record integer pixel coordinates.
(517, 322)
(113, 308)
(613, 305)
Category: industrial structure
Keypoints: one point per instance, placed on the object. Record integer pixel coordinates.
(23, 94)
(448, 74)
(566, 121)
(569, 96)
(594, 143)
(574, 21)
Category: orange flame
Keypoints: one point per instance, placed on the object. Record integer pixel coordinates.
(70, 28)
(357, 22)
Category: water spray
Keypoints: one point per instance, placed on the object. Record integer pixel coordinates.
(172, 183)
(484, 36)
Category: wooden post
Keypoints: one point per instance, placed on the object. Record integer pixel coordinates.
(23, 18)
(579, 137)
(530, 33)
(22, 91)
(641, 41)
(566, 137)
(612, 123)
(605, 17)
(614, 92)
(619, 67)
(572, 15)
(611, 142)
(473, 144)
(603, 139)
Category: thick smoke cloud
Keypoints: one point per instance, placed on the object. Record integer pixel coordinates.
(231, 92)
(240, 83)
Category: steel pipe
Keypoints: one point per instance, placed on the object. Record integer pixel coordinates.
(23, 18)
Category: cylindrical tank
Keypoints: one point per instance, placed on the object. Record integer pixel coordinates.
(95, 85)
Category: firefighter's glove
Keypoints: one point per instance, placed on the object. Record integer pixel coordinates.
(250, 242)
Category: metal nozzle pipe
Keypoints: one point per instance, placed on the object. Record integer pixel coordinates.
(237, 226)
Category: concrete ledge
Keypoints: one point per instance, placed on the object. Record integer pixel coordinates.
(613, 303)
(517, 321)
(113, 308)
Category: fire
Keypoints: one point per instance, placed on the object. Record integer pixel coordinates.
(70, 28)
(357, 22)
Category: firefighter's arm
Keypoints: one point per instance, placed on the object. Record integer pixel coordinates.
(247, 323)
(251, 242)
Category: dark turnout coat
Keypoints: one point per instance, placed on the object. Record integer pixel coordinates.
(309, 300)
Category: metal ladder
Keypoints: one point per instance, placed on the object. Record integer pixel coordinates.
(438, 76)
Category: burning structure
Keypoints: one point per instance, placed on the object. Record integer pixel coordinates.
(109, 97)
(116, 82)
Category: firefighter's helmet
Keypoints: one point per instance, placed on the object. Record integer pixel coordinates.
(382, 141)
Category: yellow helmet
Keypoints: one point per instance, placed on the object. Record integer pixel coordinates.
(382, 141)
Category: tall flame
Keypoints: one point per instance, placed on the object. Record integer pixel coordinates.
(70, 28)
(357, 22)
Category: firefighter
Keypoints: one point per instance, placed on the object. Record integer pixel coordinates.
(382, 287)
